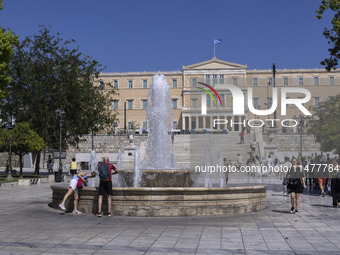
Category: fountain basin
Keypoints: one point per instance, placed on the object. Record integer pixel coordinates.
(160, 178)
(162, 202)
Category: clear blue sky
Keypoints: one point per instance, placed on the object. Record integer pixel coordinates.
(152, 35)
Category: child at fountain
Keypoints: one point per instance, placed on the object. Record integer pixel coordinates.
(73, 188)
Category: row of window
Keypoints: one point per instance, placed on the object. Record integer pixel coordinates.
(256, 102)
(145, 84)
(255, 80)
(144, 125)
(144, 104)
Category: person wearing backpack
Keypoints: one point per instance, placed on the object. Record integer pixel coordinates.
(105, 171)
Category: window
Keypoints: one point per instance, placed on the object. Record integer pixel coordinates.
(256, 103)
(300, 81)
(145, 125)
(235, 81)
(285, 81)
(130, 104)
(316, 81)
(193, 82)
(145, 84)
(115, 104)
(255, 82)
(174, 125)
(174, 83)
(207, 79)
(214, 79)
(331, 80)
(269, 102)
(316, 101)
(129, 125)
(221, 78)
(101, 84)
(270, 81)
(208, 101)
(174, 103)
(144, 104)
(222, 99)
(130, 82)
(115, 84)
(193, 102)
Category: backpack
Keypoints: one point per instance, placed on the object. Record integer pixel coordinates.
(104, 172)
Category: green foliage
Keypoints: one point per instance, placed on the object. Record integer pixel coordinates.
(7, 42)
(329, 123)
(24, 140)
(333, 34)
(48, 73)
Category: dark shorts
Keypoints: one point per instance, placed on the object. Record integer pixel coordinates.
(105, 188)
(73, 172)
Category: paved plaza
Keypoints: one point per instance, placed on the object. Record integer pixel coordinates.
(29, 226)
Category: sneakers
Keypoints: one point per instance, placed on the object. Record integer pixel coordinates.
(292, 210)
(296, 211)
(76, 212)
(285, 194)
(62, 207)
(323, 193)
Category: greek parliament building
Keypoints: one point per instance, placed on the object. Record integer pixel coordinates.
(133, 88)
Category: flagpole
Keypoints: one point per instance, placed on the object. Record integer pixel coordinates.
(214, 46)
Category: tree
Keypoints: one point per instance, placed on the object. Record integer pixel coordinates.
(7, 42)
(329, 124)
(24, 140)
(48, 73)
(333, 34)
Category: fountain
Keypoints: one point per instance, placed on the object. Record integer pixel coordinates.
(160, 189)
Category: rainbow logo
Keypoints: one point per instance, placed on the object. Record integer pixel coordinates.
(208, 92)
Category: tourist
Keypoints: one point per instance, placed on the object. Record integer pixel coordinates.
(335, 182)
(239, 160)
(172, 138)
(242, 137)
(269, 164)
(283, 175)
(73, 167)
(106, 171)
(322, 175)
(73, 188)
(296, 184)
(50, 164)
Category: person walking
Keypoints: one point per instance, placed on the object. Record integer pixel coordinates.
(322, 175)
(106, 171)
(335, 182)
(253, 145)
(242, 137)
(283, 175)
(296, 184)
(239, 160)
(50, 164)
(73, 167)
(73, 187)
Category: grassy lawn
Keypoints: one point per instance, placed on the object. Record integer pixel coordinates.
(3, 177)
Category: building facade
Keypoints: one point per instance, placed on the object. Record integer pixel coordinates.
(194, 88)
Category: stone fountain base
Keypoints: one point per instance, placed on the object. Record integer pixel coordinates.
(162, 202)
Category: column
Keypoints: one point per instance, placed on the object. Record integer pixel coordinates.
(204, 123)
(190, 122)
(183, 123)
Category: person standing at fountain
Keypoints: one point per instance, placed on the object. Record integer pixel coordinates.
(73, 187)
(106, 171)
(73, 167)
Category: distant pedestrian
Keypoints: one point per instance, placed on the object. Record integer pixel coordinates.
(283, 175)
(242, 137)
(105, 186)
(322, 175)
(226, 164)
(50, 164)
(335, 183)
(73, 167)
(269, 164)
(73, 187)
(172, 138)
(253, 145)
(239, 160)
(296, 184)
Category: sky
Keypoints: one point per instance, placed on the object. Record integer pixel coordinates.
(162, 35)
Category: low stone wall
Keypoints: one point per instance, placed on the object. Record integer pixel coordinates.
(162, 202)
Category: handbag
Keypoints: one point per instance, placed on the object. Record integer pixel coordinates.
(80, 184)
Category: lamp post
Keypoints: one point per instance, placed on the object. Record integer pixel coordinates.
(302, 122)
(61, 114)
(321, 111)
(9, 174)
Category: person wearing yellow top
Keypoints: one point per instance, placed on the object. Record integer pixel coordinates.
(73, 167)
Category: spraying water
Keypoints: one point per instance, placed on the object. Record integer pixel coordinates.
(93, 167)
(138, 169)
(208, 162)
(158, 115)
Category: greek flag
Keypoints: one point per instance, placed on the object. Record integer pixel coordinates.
(217, 41)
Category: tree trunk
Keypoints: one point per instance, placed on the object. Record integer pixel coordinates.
(37, 164)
